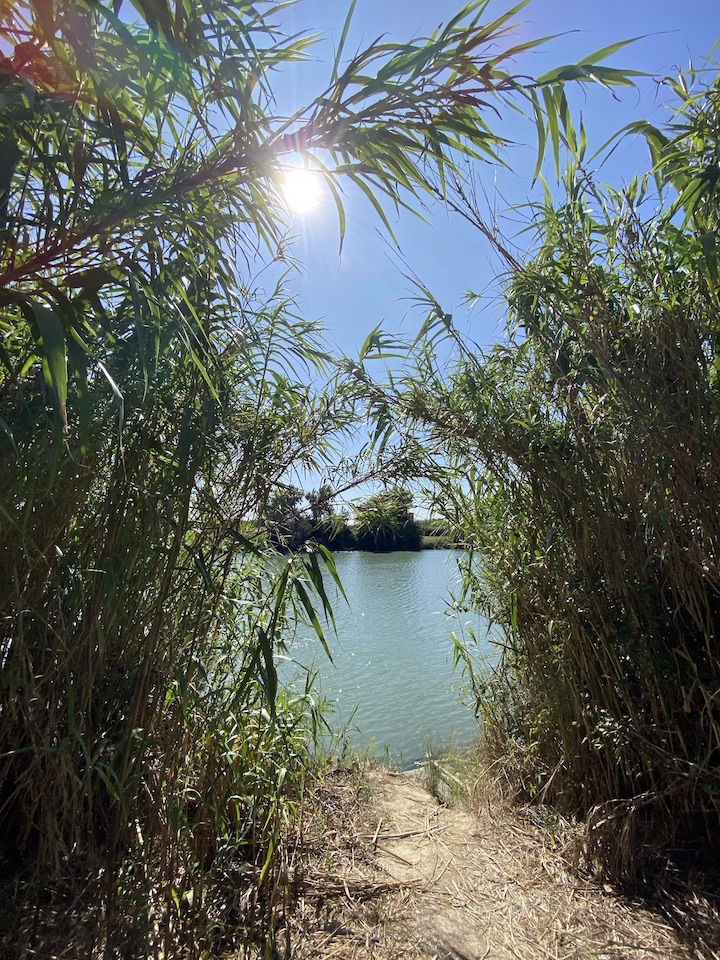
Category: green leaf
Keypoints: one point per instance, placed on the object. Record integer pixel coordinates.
(54, 355)
(340, 207)
(117, 392)
(78, 359)
(588, 72)
(709, 244)
(312, 616)
(8, 433)
(373, 198)
(156, 14)
(608, 51)
(343, 39)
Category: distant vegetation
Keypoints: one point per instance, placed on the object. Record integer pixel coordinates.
(292, 519)
(439, 534)
(380, 523)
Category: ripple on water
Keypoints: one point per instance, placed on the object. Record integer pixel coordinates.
(393, 653)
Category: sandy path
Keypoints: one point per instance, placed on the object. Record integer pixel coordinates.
(413, 878)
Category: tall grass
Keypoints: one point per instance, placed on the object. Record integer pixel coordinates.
(588, 454)
(157, 388)
(143, 739)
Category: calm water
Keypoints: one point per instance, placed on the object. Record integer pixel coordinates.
(393, 654)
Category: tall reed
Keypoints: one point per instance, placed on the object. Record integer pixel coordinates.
(588, 453)
(157, 389)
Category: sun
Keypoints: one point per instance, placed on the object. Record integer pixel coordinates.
(302, 190)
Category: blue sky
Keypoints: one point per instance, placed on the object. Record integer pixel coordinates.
(364, 287)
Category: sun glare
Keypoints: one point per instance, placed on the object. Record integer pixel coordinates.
(302, 190)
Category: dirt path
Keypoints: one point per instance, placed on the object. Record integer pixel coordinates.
(409, 877)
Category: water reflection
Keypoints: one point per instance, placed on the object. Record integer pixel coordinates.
(393, 654)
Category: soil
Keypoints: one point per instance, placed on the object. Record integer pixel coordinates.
(400, 874)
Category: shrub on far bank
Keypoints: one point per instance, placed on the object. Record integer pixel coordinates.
(439, 535)
(384, 522)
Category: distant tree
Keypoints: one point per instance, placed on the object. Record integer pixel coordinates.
(292, 518)
(385, 522)
(287, 521)
(320, 503)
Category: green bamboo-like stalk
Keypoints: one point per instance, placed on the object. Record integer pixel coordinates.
(588, 454)
(153, 398)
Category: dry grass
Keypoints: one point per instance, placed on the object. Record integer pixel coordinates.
(382, 870)
(397, 874)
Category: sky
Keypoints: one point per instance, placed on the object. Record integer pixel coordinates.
(354, 292)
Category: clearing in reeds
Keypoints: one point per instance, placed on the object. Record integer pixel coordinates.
(398, 874)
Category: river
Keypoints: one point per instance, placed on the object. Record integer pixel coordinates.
(392, 681)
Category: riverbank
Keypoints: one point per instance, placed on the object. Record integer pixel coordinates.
(379, 869)
(401, 875)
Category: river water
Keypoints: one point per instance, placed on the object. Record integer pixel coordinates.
(392, 681)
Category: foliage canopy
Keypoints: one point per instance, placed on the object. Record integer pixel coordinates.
(154, 395)
(385, 521)
(583, 466)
